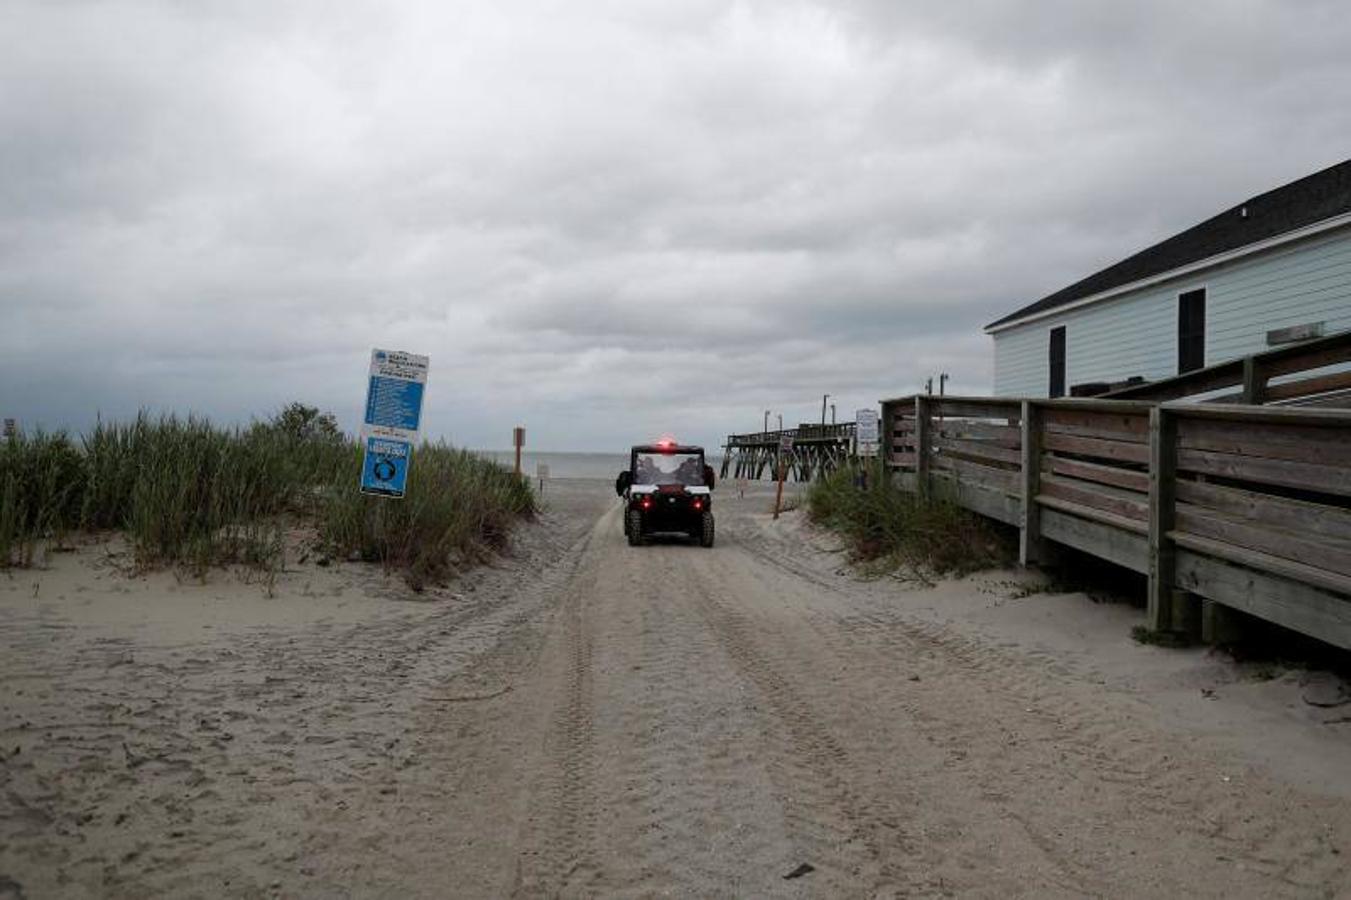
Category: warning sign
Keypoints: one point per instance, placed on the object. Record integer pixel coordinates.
(384, 470)
(392, 422)
(394, 394)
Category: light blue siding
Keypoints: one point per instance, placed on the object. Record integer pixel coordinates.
(1136, 333)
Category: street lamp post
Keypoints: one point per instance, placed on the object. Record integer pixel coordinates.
(824, 398)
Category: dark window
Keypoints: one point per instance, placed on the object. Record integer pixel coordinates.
(1191, 330)
(1058, 361)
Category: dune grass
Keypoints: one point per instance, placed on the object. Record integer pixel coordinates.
(191, 494)
(889, 528)
(459, 507)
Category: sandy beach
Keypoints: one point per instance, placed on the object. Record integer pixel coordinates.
(581, 717)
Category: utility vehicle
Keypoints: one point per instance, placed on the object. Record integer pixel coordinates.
(667, 489)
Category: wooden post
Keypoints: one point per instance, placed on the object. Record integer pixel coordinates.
(1254, 385)
(886, 435)
(518, 438)
(778, 494)
(922, 423)
(1162, 509)
(1220, 624)
(1029, 536)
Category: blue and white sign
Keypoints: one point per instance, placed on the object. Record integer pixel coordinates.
(392, 422)
(384, 469)
(394, 394)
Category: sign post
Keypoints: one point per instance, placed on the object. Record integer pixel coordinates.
(785, 447)
(392, 422)
(518, 439)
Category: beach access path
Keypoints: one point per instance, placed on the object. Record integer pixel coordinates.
(586, 718)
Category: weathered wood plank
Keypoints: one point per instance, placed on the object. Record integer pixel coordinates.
(996, 504)
(1101, 516)
(1319, 551)
(1125, 548)
(1098, 404)
(976, 409)
(1278, 415)
(1255, 559)
(1132, 427)
(1278, 512)
(1324, 352)
(1288, 603)
(1096, 447)
(1103, 474)
(1301, 443)
(975, 473)
(1003, 435)
(903, 460)
(1307, 386)
(1123, 503)
(1200, 381)
(1287, 473)
(979, 450)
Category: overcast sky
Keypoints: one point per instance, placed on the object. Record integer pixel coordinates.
(605, 220)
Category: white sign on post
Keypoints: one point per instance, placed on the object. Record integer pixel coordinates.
(865, 431)
(393, 420)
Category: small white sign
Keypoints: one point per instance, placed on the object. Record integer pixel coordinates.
(785, 443)
(541, 471)
(866, 426)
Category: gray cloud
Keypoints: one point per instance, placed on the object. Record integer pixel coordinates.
(605, 219)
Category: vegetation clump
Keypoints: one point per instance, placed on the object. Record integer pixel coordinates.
(891, 528)
(189, 493)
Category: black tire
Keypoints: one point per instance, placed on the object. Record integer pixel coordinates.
(706, 537)
(634, 527)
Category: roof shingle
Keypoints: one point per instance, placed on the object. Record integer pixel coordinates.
(1307, 201)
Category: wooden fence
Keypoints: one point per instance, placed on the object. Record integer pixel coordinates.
(1246, 507)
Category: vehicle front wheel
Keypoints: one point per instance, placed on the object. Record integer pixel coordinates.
(706, 537)
(634, 527)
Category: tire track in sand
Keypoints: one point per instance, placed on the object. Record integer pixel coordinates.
(558, 853)
(999, 714)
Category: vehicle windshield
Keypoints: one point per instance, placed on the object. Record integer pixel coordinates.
(668, 468)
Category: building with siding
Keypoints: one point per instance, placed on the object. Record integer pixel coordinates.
(1274, 268)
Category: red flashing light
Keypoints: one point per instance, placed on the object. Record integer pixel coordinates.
(666, 445)
(698, 505)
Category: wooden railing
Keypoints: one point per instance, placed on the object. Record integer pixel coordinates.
(1287, 374)
(1248, 507)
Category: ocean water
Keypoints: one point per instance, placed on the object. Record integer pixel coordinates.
(572, 465)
